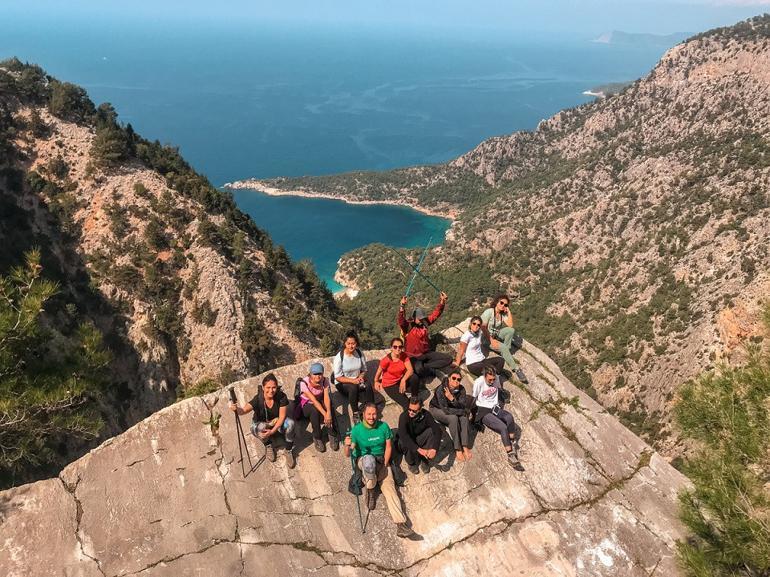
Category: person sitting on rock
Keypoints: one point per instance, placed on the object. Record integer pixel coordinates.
(349, 374)
(270, 406)
(497, 324)
(417, 338)
(450, 406)
(472, 348)
(370, 440)
(395, 373)
(419, 436)
(486, 391)
(316, 403)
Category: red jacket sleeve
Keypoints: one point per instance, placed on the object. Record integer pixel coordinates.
(401, 320)
(433, 317)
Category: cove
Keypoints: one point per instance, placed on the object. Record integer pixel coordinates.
(322, 230)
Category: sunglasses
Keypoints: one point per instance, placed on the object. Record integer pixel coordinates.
(413, 411)
(397, 347)
(476, 324)
(504, 304)
(455, 378)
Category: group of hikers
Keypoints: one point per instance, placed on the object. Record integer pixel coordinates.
(371, 443)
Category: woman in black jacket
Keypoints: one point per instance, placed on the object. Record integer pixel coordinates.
(450, 406)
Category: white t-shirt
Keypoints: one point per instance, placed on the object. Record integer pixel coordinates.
(486, 396)
(348, 365)
(473, 353)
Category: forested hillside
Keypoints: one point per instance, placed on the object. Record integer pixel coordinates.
(128, 280)
(633, 232)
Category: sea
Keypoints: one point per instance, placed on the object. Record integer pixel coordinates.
(264, 100)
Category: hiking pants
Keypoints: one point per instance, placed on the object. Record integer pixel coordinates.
(286, 429)
(412, 387)
(458, 425)
(505, 336)
(424, 440)
(502, 424)
(426, 364)
(352, 393)
(477, 369)
(316, 420)
(387, 488)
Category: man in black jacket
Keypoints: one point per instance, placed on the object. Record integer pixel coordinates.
(451, 406)
(419, 436)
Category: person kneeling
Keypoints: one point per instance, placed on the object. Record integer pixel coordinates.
(486, 390)
(419, 436)
(370, 441)
(450, 406)
(270, 405)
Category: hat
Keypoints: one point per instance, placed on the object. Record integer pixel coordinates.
(316, 369)
(419, 313)
(369, 466)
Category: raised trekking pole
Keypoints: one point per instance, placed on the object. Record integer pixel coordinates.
(417, 268)
(241, 437)
(425, 278)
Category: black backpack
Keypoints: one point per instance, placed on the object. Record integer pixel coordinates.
(356, 353)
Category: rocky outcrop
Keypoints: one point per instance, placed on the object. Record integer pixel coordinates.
(167, 497)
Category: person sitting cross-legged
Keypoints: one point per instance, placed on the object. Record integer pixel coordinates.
(486, 390)
(450, 406)
(419, 436)
(472, 348)
(270, 406)
(371, 444)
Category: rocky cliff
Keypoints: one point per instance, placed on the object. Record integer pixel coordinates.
(631, 231)
(167, 497)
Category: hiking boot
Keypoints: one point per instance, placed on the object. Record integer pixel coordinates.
(513, 461)
(320, 446)
(334, 442)
(270, 453)
(522, 377)
(404, 531)
(291, 460)
(424, 466)
(356, 418)
(414, 469)
(371, 499)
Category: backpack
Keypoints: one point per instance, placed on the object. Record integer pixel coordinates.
(356, 353)
(297, 411)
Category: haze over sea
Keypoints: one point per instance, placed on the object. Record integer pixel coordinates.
(265, 101)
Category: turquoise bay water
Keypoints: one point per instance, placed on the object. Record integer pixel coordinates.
(261, 101)
(335, 227)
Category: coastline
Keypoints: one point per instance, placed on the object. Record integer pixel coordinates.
(271, 191)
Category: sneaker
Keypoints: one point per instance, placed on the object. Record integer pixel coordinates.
(371, 499)
(424, 466)
(270, 453)
(291, 460)
(414, 469)
(356, 418)
(334, 442)
(521, 376)
(404, 531)
(320, 446)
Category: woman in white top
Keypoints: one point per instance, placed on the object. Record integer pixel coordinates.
(472, 348)
(349, 374)
(486, 391)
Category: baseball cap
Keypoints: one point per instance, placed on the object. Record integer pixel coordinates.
(316, 369)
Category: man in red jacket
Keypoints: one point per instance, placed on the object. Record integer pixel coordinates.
(417, 339)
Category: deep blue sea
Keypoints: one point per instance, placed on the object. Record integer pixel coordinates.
(263, 101)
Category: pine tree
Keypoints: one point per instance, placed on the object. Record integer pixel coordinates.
(48, 381)
(728, 508)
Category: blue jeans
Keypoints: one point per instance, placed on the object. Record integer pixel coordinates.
(286, 429)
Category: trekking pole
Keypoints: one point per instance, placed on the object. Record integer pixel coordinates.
(241, 436)
(417, 269)
(425, 278)
(358, 497)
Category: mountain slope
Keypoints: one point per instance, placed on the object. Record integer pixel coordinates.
(633, 230)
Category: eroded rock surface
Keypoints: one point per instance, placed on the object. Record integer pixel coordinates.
(167, 497)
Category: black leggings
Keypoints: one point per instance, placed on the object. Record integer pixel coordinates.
(314, 415)
(477, 368)
(425, 365)
(352, 393)
(412, 387)
(502, 423)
